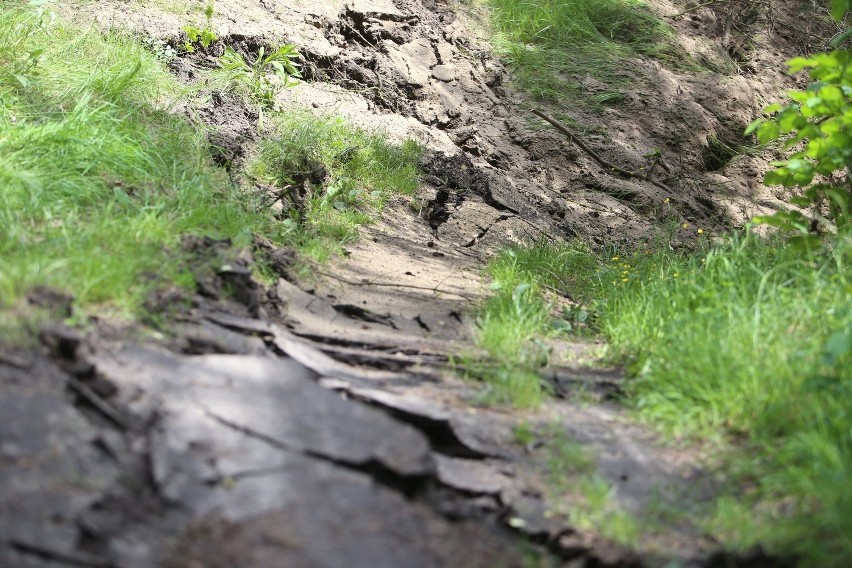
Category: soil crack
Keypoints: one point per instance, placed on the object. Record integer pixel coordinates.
(380, 473)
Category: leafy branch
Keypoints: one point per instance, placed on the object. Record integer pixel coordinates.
(818, 123)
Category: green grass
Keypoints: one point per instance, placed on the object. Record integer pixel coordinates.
(751, 343)
(577, 492)
(98, 179)
(346, 174)
(747, 344)
(517, 319)
(553, 43)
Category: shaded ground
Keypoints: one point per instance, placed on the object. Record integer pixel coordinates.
(314, 422)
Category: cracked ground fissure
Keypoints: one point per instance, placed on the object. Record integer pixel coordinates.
(317, 423)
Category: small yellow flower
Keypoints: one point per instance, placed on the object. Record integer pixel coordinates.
(666, 200)
(614, 258)
(685, 225)
(700, 231)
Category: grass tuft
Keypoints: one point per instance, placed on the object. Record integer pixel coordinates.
(752, 343)
(552, 43)
(517, 319)
(336, 177)
(99, 179)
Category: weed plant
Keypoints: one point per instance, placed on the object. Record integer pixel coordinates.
(203, 37)
(98, 179)
(746, 344)
(254, 81)
(341, 174)
(552, 43)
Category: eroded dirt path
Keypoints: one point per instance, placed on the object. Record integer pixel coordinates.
(315, 423)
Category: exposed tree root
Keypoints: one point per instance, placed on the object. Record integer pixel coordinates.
(607, 165)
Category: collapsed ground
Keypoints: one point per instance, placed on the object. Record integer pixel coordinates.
(300, 413)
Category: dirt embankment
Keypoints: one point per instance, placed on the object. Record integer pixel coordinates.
(314, 424)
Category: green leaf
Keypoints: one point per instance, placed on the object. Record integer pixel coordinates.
(767, 132)
(816, 148)
(838, 346)
(207, 38)
(838, 8)
(754, 126)
(841, 38)
(192, 33)
(832, 94)
(791, 120)
(788, 220)
(799, 96)
(801, 201)
(796, 164)
(805, 243)
(776, 177)
(798, 63)
(804, 176)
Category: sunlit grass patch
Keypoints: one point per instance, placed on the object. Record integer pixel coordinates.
(746, 343)
(517, 319)
(337, 177)
(552, 44)
(98, 179)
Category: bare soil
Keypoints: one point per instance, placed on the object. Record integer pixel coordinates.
(315, 422)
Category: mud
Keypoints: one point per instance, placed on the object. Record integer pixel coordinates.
(318, 422)
(242, 441)
(120, 454)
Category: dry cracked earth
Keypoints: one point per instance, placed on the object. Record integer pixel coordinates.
(315, 423)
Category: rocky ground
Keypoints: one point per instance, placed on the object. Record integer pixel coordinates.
(315, 422)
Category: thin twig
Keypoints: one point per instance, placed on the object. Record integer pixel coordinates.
(368, 42)
(694, 8)
(607, 165)
(102, 406)
(536, 227)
